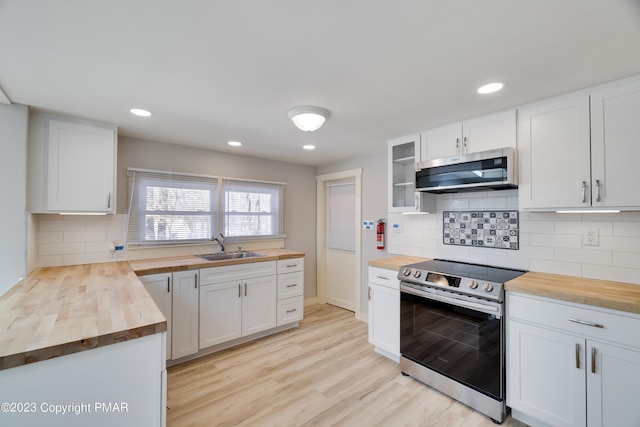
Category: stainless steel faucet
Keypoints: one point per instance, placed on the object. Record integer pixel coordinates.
(220, 241)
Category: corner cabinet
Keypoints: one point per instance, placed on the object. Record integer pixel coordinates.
(384, 312)
(72, 166)
(575, 150)
(402, 154)
(159, 287)
(482, 133)
(573, 366)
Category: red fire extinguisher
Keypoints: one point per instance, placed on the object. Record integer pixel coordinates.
(380, 234)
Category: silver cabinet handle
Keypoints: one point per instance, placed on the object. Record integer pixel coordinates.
(292, 286)
(457, 145)
(593, 360)
(109, 201)
(168, 284)
(584, 191)
(291, 265)
(245, 289)
(465, 149)
(195, 281)
(291, 311)
(597, 190)
(577, 355)
(382, 277)
(239, 291)
(584, 322)
(369, 293)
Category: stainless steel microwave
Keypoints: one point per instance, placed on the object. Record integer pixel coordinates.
(485, 170)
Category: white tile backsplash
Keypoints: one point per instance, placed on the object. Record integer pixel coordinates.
(549, 242)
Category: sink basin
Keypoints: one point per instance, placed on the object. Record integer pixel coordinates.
(220, 256)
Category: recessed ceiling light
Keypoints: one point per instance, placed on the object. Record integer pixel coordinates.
(140, 112)
(234, 143)
(491, 87)
(309, 147)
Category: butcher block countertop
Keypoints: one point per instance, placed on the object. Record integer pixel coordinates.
(192, 262)
(57, 311)
(394, 263)
(599, 293)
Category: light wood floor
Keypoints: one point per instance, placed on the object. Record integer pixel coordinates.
(323, 373)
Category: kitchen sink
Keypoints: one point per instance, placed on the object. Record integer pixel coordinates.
(220, 256)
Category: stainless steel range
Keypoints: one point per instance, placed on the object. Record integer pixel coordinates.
(452, 330)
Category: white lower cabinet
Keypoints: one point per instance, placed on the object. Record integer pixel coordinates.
(290, 290)
(184, 327)
(570, 364)
(159, 287)
(176, 295)
(384, 312)
(237, 301)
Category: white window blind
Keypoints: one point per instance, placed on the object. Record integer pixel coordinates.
(252, 209)
(169, 207)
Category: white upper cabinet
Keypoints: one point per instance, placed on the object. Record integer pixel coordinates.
(402, 154)
(553, 147)
(615, 126)
(471, 136)
(72, 166)
(576, 151)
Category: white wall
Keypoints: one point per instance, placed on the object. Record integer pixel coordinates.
(13, 178)
(549, 242)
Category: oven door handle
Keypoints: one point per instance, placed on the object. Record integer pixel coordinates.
(485, 308)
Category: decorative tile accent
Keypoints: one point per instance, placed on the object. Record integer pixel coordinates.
(489, 229)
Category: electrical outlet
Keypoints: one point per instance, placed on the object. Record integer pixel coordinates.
(396, 227)
(590, 237)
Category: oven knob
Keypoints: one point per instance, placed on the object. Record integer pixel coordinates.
(473, 284)
(416, 274)
(406, 271)
(488, 287)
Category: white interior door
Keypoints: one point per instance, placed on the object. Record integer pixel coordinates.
(341, 243)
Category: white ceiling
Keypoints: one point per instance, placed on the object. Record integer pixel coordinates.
(213, 71)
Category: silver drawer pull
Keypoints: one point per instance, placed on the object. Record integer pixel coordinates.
(382, 277)
(291, 311)
(292, 286)
(291, 265)
(584, 322)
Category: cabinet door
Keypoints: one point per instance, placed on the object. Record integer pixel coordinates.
(554, 152)
(443, 141)
(159, 287)
(185, 314)
(546, 375)
(614, 128)
(259, 304)
(613, 375)
(402, 154)
(489, 132)
(80, 168)
(384, 320)
(220, 313)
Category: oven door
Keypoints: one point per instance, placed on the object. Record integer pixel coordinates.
(461, 339)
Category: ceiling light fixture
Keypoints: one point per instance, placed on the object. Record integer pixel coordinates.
(308, 119)
(140, 112)
(234, 143)
(490, 88)
(309, 147)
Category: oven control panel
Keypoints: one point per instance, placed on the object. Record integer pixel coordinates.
(470, 286)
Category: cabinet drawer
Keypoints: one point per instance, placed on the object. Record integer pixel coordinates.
(290, 285)
(384, 277)
(228, 273)
(290, 310)
(290, 265)
(619, 327)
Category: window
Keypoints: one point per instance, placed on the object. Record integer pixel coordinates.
(252, 209)
(169, 208)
